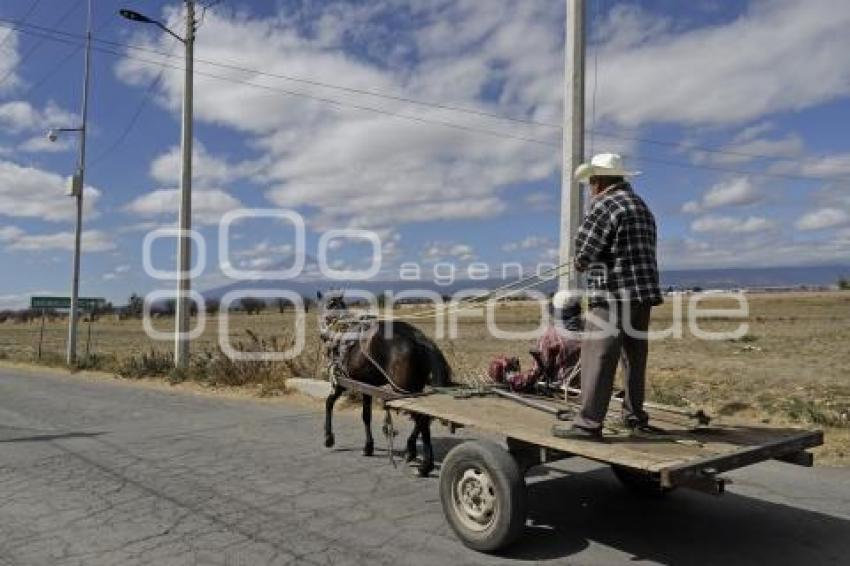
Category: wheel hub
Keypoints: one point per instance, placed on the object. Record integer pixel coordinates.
(475, 498)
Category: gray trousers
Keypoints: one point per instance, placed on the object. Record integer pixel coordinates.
(600, 355)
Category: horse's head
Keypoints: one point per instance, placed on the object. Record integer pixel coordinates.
(332, 300)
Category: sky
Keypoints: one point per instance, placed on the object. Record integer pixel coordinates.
(433, 123)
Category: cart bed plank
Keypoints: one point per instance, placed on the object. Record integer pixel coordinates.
(684, 445)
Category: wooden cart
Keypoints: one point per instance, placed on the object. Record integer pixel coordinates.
(482, 485)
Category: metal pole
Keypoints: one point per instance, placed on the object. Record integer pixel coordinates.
(71, 356)
(41, 335)
(572, 198)
(184, 251)
(88, 339)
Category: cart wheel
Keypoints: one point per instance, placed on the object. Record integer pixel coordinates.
(483, 495)
(640, 483)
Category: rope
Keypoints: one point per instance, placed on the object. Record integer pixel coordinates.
(389, 432)
(393, 384)
(533, 281)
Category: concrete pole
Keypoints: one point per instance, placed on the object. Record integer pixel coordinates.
(572, 201)
(71, 354)
(184, 250)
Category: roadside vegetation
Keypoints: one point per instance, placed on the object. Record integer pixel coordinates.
(789, 368)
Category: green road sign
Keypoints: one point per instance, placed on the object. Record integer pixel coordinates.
(84, 303)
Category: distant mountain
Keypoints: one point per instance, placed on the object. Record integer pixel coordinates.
(749, 277)
(732, 278)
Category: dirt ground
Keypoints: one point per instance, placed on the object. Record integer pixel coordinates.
(791, 366)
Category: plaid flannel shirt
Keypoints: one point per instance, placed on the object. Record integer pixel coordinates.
(615, 245)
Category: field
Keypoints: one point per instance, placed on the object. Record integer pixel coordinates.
(790, 367)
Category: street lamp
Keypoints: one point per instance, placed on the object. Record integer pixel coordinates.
(76, 191)
(184, 250)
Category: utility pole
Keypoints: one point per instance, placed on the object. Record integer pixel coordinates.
(572, 201)
(184, 250)
(77, 186)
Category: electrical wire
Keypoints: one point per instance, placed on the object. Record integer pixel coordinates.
(21, 21)
(29, 53)
(143, 102)
(471, 129)
(466, 110)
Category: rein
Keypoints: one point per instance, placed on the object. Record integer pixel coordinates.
(395, 387)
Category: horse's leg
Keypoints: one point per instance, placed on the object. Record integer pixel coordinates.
(427, 464)
(369, 448)
(329, 409)
(410, 452)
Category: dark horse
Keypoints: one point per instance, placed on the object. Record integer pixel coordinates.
(402, 353)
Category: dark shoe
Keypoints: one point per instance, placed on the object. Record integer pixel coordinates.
(572, 432)
(645, 430)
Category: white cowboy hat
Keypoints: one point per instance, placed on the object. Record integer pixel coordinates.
(604, 164)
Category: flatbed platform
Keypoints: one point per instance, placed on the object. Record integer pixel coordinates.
(482, 485)
(689, 455)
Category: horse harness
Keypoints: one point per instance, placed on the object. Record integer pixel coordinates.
(340, 331)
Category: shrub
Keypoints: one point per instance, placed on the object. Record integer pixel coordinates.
(96, 362)
(745, 339)
(147, 364)
(215, 368)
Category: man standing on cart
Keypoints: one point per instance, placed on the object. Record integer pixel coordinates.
(616, 248)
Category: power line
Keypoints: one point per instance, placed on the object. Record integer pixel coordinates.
(133, 119)
(593, 131)
(419, 119)
(62, 62)
(312, 82)
(21, 21)
(31, 51)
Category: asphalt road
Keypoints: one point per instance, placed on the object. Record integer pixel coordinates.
(107, 472)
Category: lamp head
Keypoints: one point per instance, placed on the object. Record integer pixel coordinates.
(135, 16)
(52, 135)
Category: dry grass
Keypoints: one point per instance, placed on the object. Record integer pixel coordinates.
(791, 367)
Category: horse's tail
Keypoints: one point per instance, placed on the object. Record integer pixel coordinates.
(441, 371)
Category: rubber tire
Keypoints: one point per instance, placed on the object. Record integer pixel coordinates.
(510, 492)
(640, 483)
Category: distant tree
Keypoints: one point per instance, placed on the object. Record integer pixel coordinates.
(169, 307)
(282, 304)
(212, 305)
(135, 305)
(844, 284)
(252, 305)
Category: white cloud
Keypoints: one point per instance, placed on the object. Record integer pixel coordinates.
(38, 144)
(206, 168)
(92, 241)
(371, 170)
(35, 193)
(752, 250)
(208, 205)
(117, 272)
(823, 218)
(21, 116)
(836, 166)
(9, 59)
(529, 243)
(776, 56)
(539, 200)
(441, 251)
(736, 192)
(744, 149)
(14, 301)
(728, 224)
(349, 167)
(266, 248)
